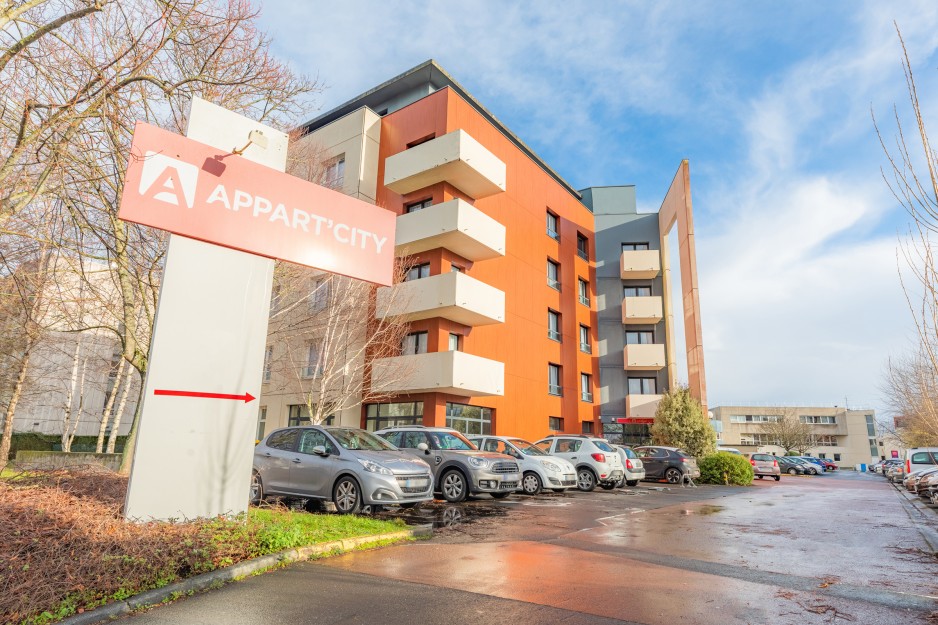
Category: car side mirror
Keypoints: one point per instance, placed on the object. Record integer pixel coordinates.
(424, 448)
(319, 450)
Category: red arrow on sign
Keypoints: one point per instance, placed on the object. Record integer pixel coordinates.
(246, 397)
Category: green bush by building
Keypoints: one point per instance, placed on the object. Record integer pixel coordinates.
(725, 468)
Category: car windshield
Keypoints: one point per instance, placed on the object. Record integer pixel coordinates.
(351, 438)
(528, 449)
(603, 445)
(450, 440)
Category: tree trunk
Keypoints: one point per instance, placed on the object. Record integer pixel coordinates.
(70, 397)
(127, 460)
(11, 410)
(106, 417)
(112, 439)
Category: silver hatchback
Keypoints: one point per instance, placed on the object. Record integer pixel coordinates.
(349, 466)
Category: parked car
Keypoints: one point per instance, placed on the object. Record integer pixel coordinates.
(595, 460)
(538, 469)
(913, 479)
(923, 482)
(788, 465)
(632, 465)
(350, 467)
(459, 469)
(817, 462)
(920, 458)
(667, 463)
(765, 465)
(828, 464)
(896, 472)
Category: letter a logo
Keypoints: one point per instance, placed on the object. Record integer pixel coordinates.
(168, 179)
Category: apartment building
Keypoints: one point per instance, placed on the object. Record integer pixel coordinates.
(501, 296)
(847, 437)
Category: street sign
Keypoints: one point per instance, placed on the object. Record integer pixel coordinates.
(202, 192)
(640, 420)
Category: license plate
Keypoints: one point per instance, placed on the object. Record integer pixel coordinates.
(415, 483)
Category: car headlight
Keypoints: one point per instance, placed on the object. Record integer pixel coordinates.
(479, 463)
(550, 466)
(374, 467)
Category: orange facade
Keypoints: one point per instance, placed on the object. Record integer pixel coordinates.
(521, 342)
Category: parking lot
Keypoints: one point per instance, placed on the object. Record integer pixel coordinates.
(842, 547)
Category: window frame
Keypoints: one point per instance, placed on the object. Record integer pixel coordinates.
(421, 334)
(586, 387)
(582, 250)
(583, 291)
(553, 283)
(555, 232)
(554, 389)
(554, 334)
(587, 345)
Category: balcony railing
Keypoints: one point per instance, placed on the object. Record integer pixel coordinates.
(585, 300)
(585, 396)
(639, 264)
(453, 373)
(554, 284)
(554, 335)
(553, 234)
(586, 348)
(455, 158)
(582, 254)
(645, 357)
(554, 389)
(454, 296)
(456, 226)
(642, 310)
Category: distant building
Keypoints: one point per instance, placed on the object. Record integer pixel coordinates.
(847, 437)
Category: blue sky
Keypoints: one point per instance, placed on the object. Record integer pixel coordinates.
(769, 101)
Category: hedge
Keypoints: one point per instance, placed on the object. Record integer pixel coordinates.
(727, 468)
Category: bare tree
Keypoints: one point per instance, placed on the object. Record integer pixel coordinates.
(790, 433)
(912, 388)
(326, 331)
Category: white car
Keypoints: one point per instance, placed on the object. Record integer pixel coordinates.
(595, 460)
(539, 470)
(634, 469)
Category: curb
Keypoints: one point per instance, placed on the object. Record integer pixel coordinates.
(215, 579)
(929, 534)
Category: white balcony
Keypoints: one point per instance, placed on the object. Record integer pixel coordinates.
(456, 226)
(639, 264)
(645, 357)
(454, 296)
(454, 373)
(641, 406)
(455, 158)
(642, 310)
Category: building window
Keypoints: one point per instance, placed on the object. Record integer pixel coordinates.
(632, 247)
(380, 416)
(315, 363)
(469, 419)
(455, 342)
(413, 207)
(334, 174)
(582, 246)
(261, 423)
(553, 230)
(553, 274)
(456, 269)
(414, 343)
(586, 387)
(754, 418)
(870, 427)
(298, 415)
(554, 380)
(636, 291)
(583, 289)
(826, 441)
(836, 457)
(643, 386)
(553, 325)
(818, 419)
(759, 438)
(555, 424)
(587, 427)
(414, 144)
(639, 337)
(418, 271)
(319, 296)
(822, 456)
(268, 362)
(585, 340)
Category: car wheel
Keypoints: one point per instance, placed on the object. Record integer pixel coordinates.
(812, 471)
(792, 472)
(631, 482)
(346, 495)
(585, 480)
(257, 488)
(674, 476)
(453, 486)
(778, 478)
(501, 495)
(531, 483)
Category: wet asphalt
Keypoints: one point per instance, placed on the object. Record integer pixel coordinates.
(837, 548)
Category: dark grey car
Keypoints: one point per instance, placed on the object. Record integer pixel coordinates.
(459, 468)
(350, 467)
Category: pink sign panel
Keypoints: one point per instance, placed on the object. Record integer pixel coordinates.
(197, 191)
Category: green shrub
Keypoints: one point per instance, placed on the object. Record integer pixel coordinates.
(724, 467)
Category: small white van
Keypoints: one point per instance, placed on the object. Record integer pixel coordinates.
(920, 458)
